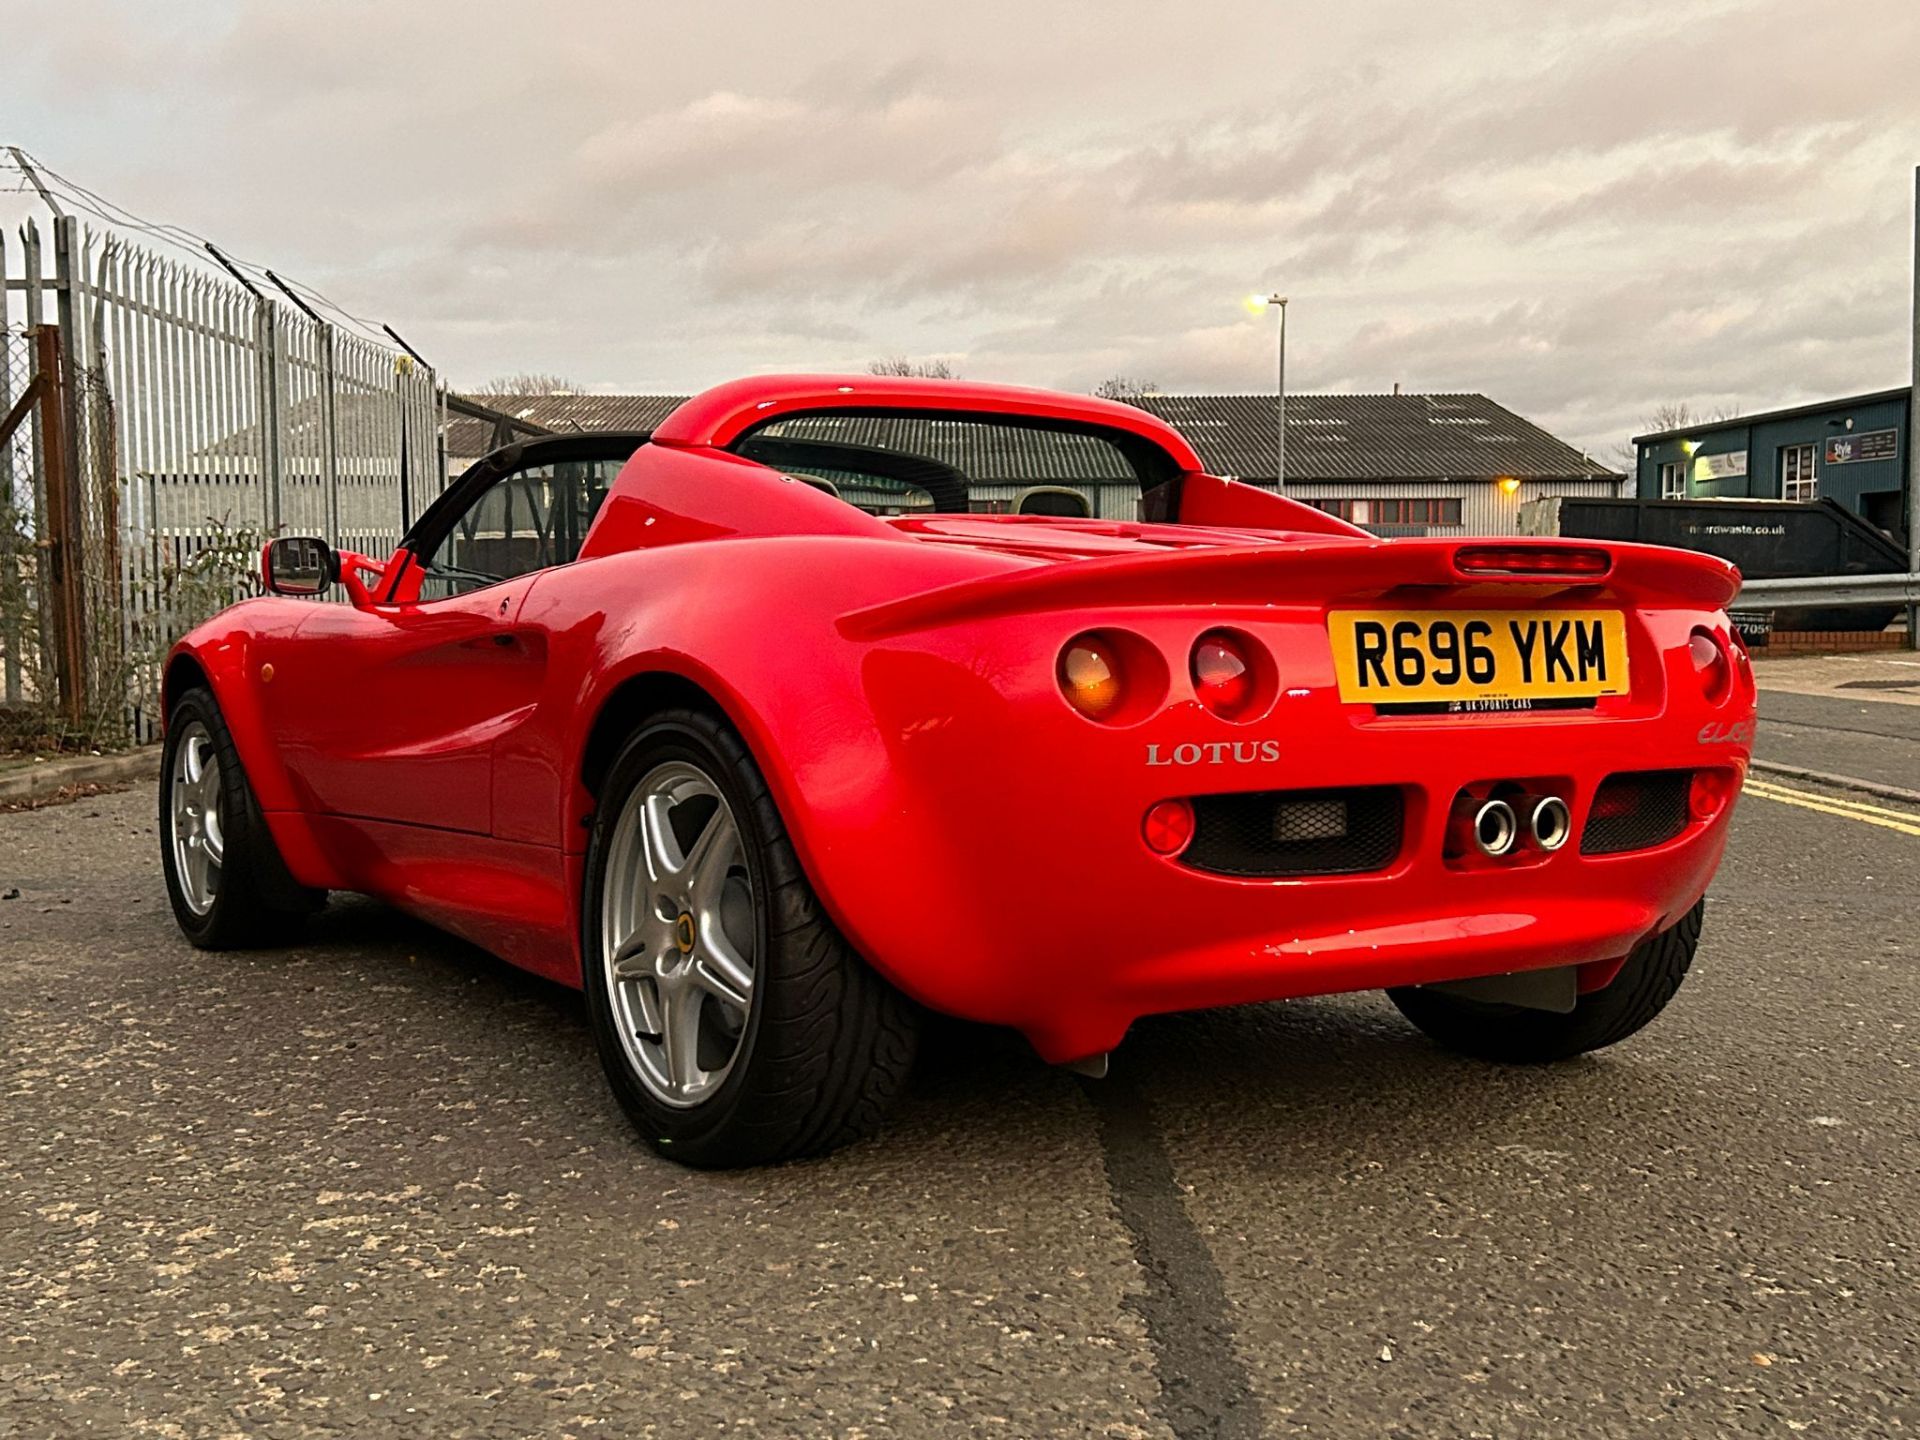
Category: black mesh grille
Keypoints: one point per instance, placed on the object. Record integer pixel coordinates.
(1296, 832)
(1636, 811)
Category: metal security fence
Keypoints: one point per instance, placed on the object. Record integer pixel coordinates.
(45, 587)
(24, 650)
(195, 415)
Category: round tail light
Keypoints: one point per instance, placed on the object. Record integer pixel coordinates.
(1710, 665)
(1090, 677)
(1168, 828)
(1223, 677)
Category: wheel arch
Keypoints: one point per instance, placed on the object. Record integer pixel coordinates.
(627, 705)
(667, 681)
(221, 656)
(184, 672)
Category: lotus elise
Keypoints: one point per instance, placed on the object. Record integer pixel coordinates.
(786, 723)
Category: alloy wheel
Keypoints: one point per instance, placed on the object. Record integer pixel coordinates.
(193, 810)
(678, 933)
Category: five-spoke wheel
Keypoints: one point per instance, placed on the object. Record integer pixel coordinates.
(677, 932)
(735, 1023)
(193, 809)
(225, 877)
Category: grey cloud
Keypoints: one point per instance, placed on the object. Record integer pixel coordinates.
(1584, 210)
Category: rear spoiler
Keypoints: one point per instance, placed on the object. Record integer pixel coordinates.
(1308, 571)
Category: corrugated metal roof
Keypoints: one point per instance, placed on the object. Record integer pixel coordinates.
(587, 412)
(1370, 437)
(469, 439)
(1329, 437)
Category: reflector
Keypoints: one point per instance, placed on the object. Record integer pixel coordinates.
(1168, 827)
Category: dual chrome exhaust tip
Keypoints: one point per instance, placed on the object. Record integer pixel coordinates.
(1544, 820)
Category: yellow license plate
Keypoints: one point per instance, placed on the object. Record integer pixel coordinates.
(1403, 656)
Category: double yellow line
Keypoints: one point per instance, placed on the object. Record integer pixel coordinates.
(1905, 821)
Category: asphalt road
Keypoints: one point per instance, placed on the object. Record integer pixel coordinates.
(374, 1184)
(1862, 738)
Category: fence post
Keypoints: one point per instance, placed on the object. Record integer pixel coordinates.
(68, 273)
(329, 409)
(37, 483)
(1913, 426)
(11, 580)
(329, 433)
(402, 367)
(270, 412)
(64, 551)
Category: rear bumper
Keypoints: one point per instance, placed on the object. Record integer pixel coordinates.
(988, 858)
(1408, 927)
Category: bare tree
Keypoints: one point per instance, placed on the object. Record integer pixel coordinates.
(1666, 417)
(530, 382)
(1125, 388)
(901, 365)
(1674, 415)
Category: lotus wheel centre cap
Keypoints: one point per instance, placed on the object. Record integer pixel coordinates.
(683, 933)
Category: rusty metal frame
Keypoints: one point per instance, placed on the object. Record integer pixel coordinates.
(63, 542)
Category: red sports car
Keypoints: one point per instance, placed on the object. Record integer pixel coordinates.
(774, 727)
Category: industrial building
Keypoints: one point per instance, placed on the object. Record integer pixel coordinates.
(1852, 451)
(1455, 464)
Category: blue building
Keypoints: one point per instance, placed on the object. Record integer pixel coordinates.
(1853, 451)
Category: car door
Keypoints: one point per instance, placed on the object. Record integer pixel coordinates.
(391, 712)
(401, 704)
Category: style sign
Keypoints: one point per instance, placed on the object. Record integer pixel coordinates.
(1869, 445)
(1720, 467)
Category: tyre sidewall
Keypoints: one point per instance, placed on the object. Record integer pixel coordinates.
(1649, 979)
(212, 927)
(692, 1135)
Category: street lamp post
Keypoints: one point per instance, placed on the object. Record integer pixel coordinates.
(1258, 303)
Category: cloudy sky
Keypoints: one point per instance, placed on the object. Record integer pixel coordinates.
(1584, 210)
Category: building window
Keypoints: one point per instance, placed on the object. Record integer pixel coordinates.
(1423, 510)
(1798, 481)
(1673, 479)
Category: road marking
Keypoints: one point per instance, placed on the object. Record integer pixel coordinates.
(1903, 821)
(1844, 803)
(1860, 805)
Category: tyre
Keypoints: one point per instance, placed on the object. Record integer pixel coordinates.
(225, 878)
(1649, 979)
(735, 1024)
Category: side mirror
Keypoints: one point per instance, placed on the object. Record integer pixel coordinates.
(299, 565)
